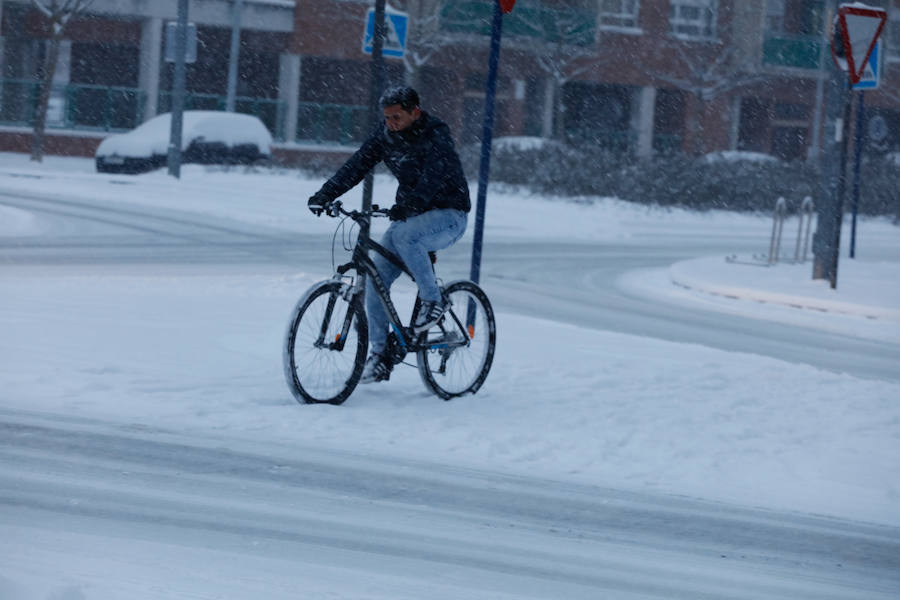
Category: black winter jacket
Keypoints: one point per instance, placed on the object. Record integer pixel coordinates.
(423, 159)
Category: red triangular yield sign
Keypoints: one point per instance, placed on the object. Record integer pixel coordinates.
(507, 5)
(860, 27)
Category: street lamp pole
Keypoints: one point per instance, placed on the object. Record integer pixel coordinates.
(234, 55)
(375, 89)
(175, 133)
(830, 207)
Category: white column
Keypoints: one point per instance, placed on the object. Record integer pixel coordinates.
(645, 117)
(549, 108)
(289, 93)
(735, 126)
(2, 56)
(2, 45)
(61, 77)
(148, 77)
(63, 73)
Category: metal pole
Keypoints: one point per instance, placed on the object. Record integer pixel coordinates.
(234, 55)
(377, 85)
(178, 92)
(858, 141)
(777, 228)
(829, 207)
(486, 138)
(808, 208)
(804, 214)
(838, 214)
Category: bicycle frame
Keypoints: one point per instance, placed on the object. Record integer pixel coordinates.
(365, 267)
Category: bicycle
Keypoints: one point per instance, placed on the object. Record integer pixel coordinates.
(327, 336)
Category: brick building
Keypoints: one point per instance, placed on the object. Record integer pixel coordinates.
(642, 76)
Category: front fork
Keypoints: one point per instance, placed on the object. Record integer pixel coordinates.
(348, 291)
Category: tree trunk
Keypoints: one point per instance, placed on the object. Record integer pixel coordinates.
(691, 144)
(40, 117)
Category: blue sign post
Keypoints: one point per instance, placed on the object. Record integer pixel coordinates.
(870, 79)
(858, 141)
(486, 139)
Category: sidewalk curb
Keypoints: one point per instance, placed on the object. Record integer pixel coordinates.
(681, 278)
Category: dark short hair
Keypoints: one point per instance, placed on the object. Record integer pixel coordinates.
(403, 95)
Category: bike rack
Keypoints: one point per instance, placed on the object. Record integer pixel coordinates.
(805, 214)
(804, 229)
(777, 227)
(807, 209)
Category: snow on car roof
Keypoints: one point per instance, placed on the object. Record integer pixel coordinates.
(522, 142)
(737, 156)
(152, 137)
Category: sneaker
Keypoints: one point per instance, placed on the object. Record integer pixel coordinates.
(429, 314)
(377, 369)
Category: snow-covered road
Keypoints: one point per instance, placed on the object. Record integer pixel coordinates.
(622, 447)
(129, 512)
(570, 282)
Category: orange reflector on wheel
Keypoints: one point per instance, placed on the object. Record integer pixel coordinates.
(471, 332)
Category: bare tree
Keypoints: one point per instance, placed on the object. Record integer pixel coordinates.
(564, 47)
(561, 41)
(59, 13)
(706, 70)
(424, 38)
(433, 26)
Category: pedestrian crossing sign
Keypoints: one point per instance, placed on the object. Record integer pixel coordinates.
(396, 26)
(871, 75)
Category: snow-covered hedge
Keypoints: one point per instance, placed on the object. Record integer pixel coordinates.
(880, 186)
(731, 181)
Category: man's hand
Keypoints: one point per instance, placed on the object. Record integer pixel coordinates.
(318, 203)
(399, 212)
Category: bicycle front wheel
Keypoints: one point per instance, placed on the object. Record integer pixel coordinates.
(325, 345)
(459, 350)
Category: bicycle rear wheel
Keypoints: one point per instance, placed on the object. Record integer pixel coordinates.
(325, 345)
(459, 350)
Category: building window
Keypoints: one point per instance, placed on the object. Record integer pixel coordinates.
(892, 36)
(693, 18)
(619, 13)
(791, 112)
(775, 15)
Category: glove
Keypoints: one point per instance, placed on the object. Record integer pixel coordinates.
(400, 212)
(318, 203)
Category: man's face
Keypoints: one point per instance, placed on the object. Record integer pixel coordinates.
(398, 119)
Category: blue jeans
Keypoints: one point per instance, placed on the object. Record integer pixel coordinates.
(411, 240)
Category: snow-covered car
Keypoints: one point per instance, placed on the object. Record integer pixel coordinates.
(524, 142)
(739, 156)
(893, 158)
(209, 137)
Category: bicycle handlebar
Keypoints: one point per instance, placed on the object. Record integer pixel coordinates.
(336, 209)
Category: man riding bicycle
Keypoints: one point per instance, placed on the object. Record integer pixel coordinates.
(429, 214)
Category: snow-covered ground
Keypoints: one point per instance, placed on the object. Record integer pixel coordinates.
(194, 348)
